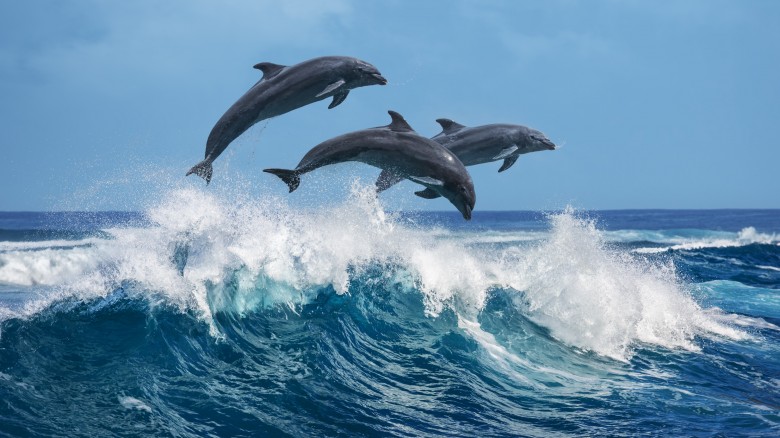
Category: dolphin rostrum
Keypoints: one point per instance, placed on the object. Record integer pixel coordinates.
(283, 89)
(480, 144)
(400, 150)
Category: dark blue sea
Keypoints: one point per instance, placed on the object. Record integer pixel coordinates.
(209, 316)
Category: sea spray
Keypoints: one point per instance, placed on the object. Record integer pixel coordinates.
(601, 299)
(242, 254)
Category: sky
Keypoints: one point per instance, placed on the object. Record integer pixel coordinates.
(105, 105)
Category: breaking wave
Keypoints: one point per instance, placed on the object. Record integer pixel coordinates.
(210, 255)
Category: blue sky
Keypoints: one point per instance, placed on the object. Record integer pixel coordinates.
(657, 104)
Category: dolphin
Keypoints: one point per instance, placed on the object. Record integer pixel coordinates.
(400, 150)
(283, 89)
(480, 144)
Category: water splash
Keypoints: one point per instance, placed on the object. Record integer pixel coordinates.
(603, 300)
(215, 253)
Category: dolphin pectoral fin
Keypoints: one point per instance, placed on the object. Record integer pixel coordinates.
(508, 163)
(386, 180)
(290, 177)
(331, 87)
(426, 181)
(202, 169)
(269, 69)
(338, 98)
(506, 152)
(428, 193)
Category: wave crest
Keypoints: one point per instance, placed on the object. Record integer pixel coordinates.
(214, 254)
(603, 300)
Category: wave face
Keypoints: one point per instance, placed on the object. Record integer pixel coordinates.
(228, 316)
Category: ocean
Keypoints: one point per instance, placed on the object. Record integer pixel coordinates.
(206, 315)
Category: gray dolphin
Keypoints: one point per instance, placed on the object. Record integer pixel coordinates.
(400, 150)
(480, 144)
(283, 89)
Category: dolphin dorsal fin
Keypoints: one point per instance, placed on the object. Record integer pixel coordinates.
(269, 69)
(448, 126)
(398, 123)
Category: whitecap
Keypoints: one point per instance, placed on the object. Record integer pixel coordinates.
(746, 236)
(131, 403)
(242, 254)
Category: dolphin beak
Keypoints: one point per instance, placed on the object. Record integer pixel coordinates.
(550, 145)
(380, 78)
(466, 211)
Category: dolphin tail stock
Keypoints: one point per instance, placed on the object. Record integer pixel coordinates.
(290, 177)
(203, 170)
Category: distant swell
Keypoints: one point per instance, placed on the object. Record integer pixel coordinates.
(747, 236)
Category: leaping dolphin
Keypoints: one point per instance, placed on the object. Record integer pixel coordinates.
(283, 89)
(400, 150)
(480, 144)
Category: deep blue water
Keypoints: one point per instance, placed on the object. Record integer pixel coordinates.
(225, 320)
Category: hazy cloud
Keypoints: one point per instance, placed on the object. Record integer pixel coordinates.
(103, 42)
(709, 13)
(567, 42)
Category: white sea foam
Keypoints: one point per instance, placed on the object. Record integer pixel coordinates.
(133, 403)
(45, 244)
(740, 320)
(490, 237)
(496, 351)
(746, 236)
(245, 253)
(45, 267)
(603, 300)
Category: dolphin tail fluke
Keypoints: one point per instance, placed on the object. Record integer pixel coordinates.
(203, 170)
(290, 177)
(386, 180)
